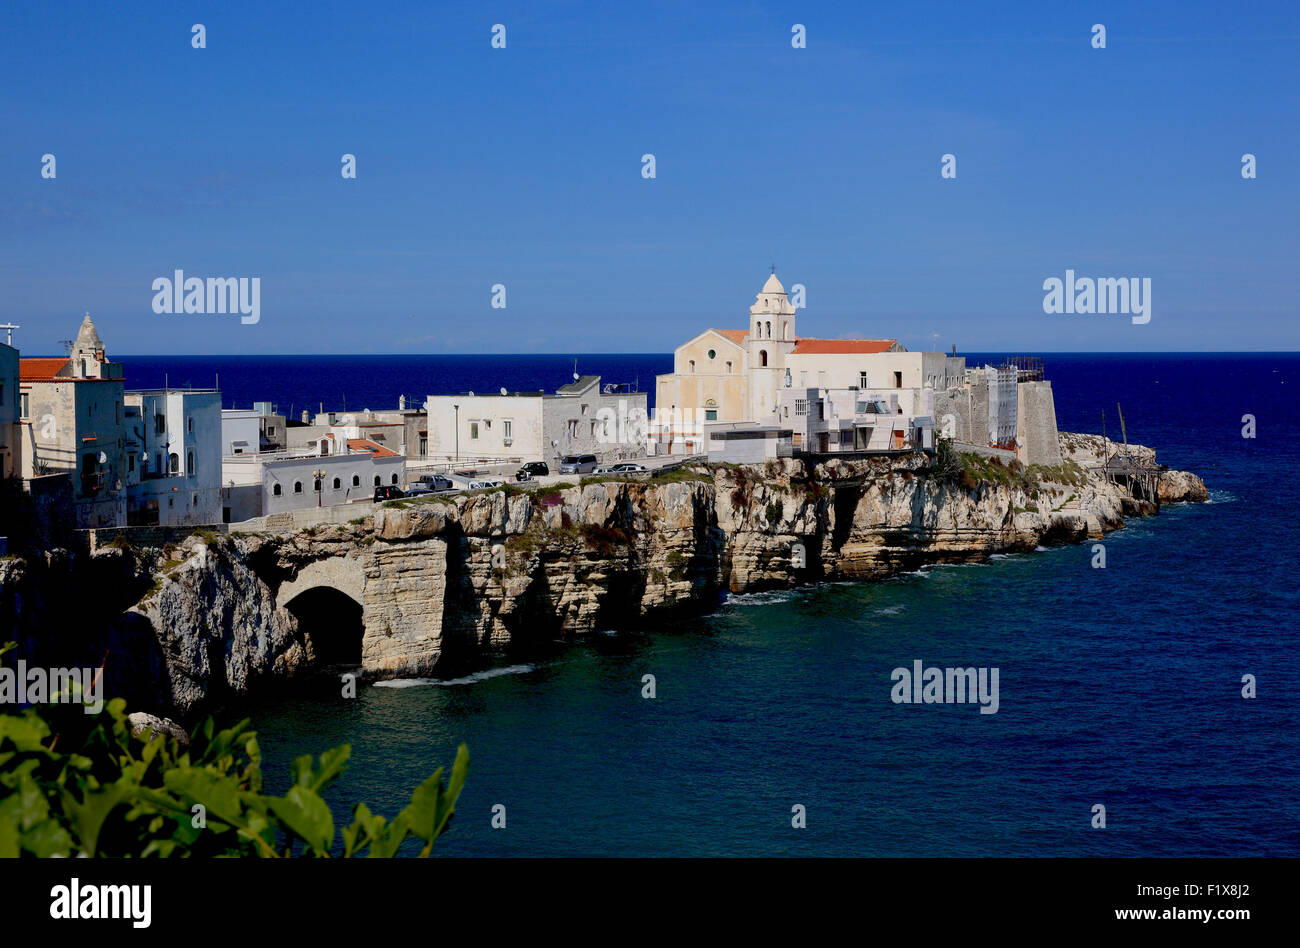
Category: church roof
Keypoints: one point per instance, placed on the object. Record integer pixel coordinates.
(738, 336)
(773, 285)
(842, 346)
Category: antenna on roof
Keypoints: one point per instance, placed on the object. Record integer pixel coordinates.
(67, 344)
(10, 327)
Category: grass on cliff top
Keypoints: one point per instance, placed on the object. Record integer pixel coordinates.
(977, 469)
(682, 475)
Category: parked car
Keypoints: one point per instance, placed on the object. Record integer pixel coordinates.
(578, 464)
(532, 469)
(627, 468)
(485, 484)
(436, 482)
(418, 492)
(388, 493)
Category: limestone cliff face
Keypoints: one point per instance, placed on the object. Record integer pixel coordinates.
(443, 583)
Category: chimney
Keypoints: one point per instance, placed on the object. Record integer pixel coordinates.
(306, 417)
(954, 352)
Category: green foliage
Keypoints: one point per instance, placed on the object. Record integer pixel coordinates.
(947, 466)
(775, 512)
(73, 783)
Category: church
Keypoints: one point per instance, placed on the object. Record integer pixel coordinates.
(756, 375)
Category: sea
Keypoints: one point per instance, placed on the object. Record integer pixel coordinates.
(771, 730)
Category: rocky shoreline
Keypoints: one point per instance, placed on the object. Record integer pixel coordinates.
(443, 585)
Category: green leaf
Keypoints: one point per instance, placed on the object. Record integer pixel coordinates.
(307, 816)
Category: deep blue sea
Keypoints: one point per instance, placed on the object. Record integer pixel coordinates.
(1118, 686)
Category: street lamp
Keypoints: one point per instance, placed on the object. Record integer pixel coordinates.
(320, 484)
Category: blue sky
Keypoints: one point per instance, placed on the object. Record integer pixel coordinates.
(522, 166)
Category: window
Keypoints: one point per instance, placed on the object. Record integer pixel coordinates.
(376, 480)
(337, 483)
(27, 406)
(728, 368)
(768, 328)
(573, 427)
(898, 380)
(507, 428)
(317, 485)
(189, 424)
(801, 406)
(862, 380)
(297, 487)
(593, 429)
(692, 365)
(584, 407)
(174, 461)
(275, 490)
(424, 442)
(194, 500)
(159, 424)
(270, 431)
(710, 414)
(762, 357)
(189, 464)
(130, 463)
(473, 429)
(821, 378)
(356, 480)
(712, 354)
(394, 478)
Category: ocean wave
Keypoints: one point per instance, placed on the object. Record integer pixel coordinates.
(761, 598)
(888, 610)
(1221, 497)
(467, 680)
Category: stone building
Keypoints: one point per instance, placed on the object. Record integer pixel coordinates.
(72, 416)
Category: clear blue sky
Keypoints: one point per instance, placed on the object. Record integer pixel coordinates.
(522, 166)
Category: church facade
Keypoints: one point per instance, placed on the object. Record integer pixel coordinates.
(744, 376)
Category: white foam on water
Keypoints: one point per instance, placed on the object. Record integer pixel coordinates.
(467, 680)
(761, 598)
(890, 610)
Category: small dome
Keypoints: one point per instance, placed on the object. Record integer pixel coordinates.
(87, 338)
(773, 285)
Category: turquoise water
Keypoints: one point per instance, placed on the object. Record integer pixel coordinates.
(1118, 686)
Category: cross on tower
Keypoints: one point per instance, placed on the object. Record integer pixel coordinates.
(774, 269)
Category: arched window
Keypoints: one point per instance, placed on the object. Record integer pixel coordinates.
(762, 357)
(376, 480)
(317, 486)
(189, 463)
(394, 478)
(337, 483)
(769, 329)
(692, 364)
(275, 490)
(297, 487)
(356, 480)
(174, 460)
(785, 332)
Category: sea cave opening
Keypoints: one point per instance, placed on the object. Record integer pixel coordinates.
(331, 621)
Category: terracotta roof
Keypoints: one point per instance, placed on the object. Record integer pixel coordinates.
(365, 444)
(838, 346)
(37, 370)
(735, 335)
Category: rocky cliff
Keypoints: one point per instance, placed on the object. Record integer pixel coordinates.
(444, 583)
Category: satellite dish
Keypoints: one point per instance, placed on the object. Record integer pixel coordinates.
(471, 394)
(575, 376)
(503, 390)
(103, 458)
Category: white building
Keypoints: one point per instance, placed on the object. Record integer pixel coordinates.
(173, 456)
(11, 445)
(583, 417)
(336, 469)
